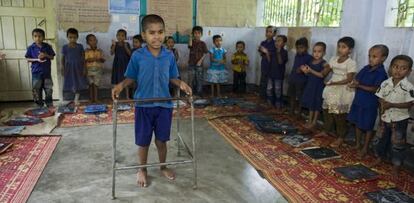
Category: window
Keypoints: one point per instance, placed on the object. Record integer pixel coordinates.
(305, 13)
(400, 13)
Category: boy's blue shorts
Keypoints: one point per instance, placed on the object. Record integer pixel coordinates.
(149, 120)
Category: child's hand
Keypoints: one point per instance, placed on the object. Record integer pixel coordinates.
(222, 61)
(199, 63)
(116, 90)
(2, 56)
(187, 89)
(263, 49)
(113, 42)
(385, 105)
(327, 83)
(353, 84)
(41, 56)
(305, 69)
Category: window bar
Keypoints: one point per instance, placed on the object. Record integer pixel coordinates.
(308, 13)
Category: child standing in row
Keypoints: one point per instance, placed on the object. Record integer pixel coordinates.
(240, 62)
(279, 58)
(364, 109)
(137, 42)
(297, 79)
(198, 49)
(269, 45)
(217, 73)
(169, 43)
(94, 59)
(73, 64)
(40, 54)
(396, 96)
(316, 72)
(122, 52)
(170, 46)
(337, 96)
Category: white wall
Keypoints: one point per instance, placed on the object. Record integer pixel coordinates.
(118, 21)
(362, 20)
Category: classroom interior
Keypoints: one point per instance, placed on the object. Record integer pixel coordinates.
(69, 157)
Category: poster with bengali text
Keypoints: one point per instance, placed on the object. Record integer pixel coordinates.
(86, 16)
(178, 17)
(227, 13)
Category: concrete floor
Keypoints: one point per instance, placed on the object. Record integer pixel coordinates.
(80, 170)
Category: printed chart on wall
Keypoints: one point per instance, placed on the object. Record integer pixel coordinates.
(124, 6)
(86, 16)
(226, 13)
(296, 33)
(178, 17)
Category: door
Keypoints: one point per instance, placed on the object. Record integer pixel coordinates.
(17, 20)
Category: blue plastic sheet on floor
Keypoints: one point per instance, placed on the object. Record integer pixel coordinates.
(20, 121)
(95, 109)
(11, 130)
(66, 109)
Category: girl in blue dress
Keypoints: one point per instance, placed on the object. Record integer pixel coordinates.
(73, 65)
(364, 108)
(315, 71)
(217, 73)
(122, 51)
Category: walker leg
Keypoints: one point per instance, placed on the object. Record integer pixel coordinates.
(179, 147)
(114, 131)
(194, 146)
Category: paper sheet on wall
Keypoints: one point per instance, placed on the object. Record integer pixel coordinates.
(226, 13)
(86, 16)
(296, 33)
(178, 14)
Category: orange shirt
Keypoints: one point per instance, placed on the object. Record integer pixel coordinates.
(96, 54)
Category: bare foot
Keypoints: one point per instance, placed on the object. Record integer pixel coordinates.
(168, 173)
(376, 163)
(337, 143)
(362, 153)
(395, 171)
(322, 134)
(357, 147)
(142, 179)
(309, 125)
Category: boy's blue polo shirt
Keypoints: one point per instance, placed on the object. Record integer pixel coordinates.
(40, 69)
(153, 74)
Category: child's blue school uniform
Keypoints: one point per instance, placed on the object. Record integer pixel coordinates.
(312, 94)
(364, 109)
(75, 79)
(297, 80)
(152, 74)
(277, 69)
(265, 65)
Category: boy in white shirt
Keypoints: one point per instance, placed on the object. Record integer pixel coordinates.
(396, 96)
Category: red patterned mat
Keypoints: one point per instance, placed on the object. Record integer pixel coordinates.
(22, 164)
(81, 119)
(296, 176)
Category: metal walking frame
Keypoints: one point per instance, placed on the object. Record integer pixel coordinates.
(180, 141)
